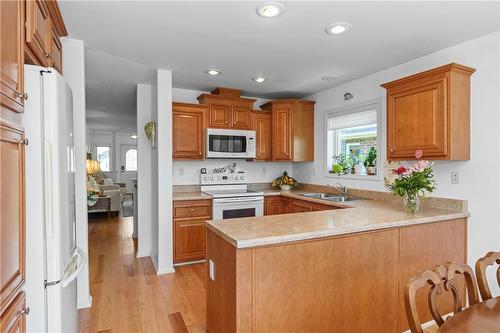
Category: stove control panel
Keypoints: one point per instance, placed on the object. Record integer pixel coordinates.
(225, 178)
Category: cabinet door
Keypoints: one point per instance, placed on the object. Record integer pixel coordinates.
(273, 205)
(55, 52)
(219, 116)
(12, 211)
(13, 320)
(282, 133)
(188, 134)
(299, 206)
(38, 31)
(416, 119)
(12, 54)
(263, 129)
(241, 117)
(189, 240)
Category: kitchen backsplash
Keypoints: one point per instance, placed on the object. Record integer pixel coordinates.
(188, 172)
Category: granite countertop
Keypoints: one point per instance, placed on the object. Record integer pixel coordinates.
(357, 216)
(177, 196)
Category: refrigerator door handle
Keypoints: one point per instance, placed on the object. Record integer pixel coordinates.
(76, 265)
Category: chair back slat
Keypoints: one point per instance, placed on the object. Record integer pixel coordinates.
(440, 279)
(481, 265)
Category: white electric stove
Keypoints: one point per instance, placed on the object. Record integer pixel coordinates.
(231, 197)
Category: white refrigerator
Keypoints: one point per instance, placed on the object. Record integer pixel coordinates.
(53, 261)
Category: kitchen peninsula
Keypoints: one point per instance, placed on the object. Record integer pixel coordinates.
(339, 270)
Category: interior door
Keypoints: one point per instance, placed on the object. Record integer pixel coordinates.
(128, 165)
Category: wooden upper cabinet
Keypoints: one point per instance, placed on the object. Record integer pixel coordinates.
(12, 55)
(241, 116)
(293, 129)
(219, 116)
(262, 124)
(12, 266)
(38, 31)
(188, 131)
(227, 109)
(430, 111)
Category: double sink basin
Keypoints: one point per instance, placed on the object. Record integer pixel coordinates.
(328, 197)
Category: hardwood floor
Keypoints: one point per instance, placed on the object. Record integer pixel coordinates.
(127, 294)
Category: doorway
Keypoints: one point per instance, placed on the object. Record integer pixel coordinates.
(128, 166)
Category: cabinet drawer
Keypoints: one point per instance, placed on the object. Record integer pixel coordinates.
(192, 208)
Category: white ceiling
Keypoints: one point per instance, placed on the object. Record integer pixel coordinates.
(292, 51)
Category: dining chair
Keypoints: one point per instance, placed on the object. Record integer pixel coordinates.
(440, 279)
(488, 260)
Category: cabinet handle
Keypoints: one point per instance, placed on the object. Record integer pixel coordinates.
(25, 311)
(227, 122)
(24, 142)
(47, 55)
(191, 210)
(391, 150)
(22, 96)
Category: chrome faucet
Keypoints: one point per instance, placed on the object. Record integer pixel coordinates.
(342, 189)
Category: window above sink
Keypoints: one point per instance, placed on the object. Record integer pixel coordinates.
(353, 137)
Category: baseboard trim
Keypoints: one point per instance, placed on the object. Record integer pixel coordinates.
(189, 263)
(165, 270)
(142, 254)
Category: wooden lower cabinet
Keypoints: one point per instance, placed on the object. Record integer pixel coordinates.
(13, 319)
(189, 229)
(12, 224)
(347, 283)
(274, 205)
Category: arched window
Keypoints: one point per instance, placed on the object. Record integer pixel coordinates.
(131, 160)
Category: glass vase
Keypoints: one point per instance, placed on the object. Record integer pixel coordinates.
(411, 204)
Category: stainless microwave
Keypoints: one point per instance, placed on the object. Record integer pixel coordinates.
(228, 143)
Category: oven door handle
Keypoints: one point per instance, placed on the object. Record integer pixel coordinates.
(238, 200)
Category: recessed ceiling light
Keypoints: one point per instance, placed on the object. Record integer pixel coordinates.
(259, 79)
(329, 77)
(338, 28)
(134, 136)
(270, 9)
(213, 72)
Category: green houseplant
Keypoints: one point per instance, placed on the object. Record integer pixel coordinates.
(371, 157)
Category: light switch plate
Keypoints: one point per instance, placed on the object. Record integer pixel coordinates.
(211, 269)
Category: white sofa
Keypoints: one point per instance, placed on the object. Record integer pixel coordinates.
(116, 199)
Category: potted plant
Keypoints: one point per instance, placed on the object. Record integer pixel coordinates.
(371, 157)
(411, 182)
(285, 182)
(342, 164)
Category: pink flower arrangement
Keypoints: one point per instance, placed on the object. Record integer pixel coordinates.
(411, 181)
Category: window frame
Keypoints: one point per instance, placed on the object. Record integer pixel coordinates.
(375, 104)
(111, 159)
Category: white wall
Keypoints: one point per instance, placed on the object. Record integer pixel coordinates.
(164, 153)
(113, 139)
(74, 73)
(479, 177)
(144, 174)
(188, 172)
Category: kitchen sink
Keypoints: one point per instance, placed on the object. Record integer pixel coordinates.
(328, 197)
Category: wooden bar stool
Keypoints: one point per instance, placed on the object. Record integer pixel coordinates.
(440, 279)
(488, 260)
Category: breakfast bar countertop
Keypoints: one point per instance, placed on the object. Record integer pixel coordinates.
(356, 216)
(178, 196)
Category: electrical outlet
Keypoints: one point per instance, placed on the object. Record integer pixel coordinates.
(181, 171)
(455, 177)
(211, 270)
(264, 170)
